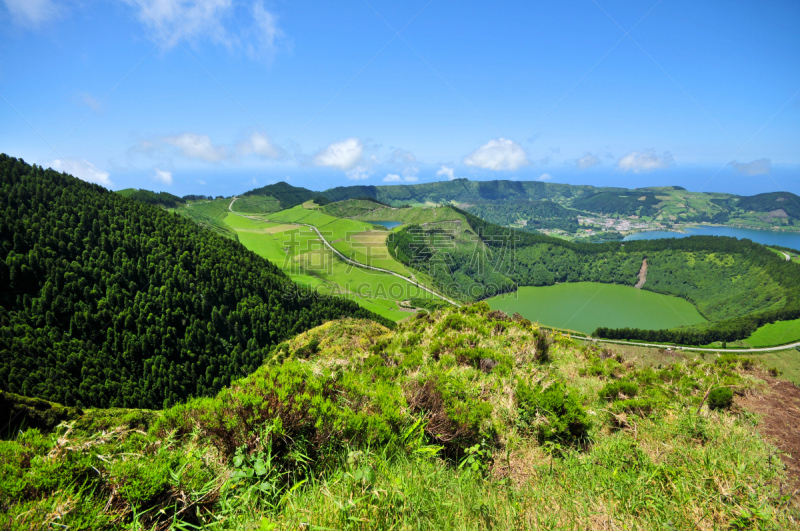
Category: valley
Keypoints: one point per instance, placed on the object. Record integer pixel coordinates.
(255, 358)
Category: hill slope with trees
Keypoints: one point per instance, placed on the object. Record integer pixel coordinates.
(736, 284)
(107, 301)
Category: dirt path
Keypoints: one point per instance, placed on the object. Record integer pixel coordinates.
(779, 408)
(642, 275)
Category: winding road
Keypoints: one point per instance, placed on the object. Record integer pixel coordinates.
(355, 263)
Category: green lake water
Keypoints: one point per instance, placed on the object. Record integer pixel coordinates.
(584, 306)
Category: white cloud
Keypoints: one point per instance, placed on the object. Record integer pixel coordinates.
(394, 178)
(401, 157)
(756, 167)
(90, 101)
(195, 146)
(587, 161)
(545, 177)
(259, 144)
(644, 161)
(31, 12)
(82, 169)
(163, 176)
(265, 33)
(178, 20)
(447, 172)
(359, 173)
(499, 154)
(344, 155)
(171, 21)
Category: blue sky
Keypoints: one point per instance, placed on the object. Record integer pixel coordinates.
(220, 96)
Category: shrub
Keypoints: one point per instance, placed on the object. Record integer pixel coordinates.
(720, 398)
(457, 416)
(543, 342)
(453, 322)
(553, 413)
(615, 390)
(312, 347)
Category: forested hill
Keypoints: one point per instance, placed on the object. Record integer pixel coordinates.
(509, 202)
(737, 285)
(106, 301)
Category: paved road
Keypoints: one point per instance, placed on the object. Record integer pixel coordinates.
(359, 264)
(698, 349)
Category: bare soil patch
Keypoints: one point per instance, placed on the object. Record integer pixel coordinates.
(642, 275)
(779, 407)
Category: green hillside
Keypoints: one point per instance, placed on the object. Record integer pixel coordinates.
(529, 204)
(106, 301)
(283, 238)
(735, 284)
(464, 419)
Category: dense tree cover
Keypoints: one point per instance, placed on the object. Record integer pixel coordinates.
(164, 199)
(288, 195)
(536, 214)
(195, 197)
(786, 201)
(626, 203)
(736, 284)
(106, 301)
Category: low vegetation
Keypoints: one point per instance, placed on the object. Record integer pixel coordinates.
(463, 418)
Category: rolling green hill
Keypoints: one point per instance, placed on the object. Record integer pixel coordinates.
(736, 285)
(106, 301)
(526, 203)
(464, 419)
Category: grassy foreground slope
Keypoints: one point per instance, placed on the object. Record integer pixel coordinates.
(106, 301)
(464, 419)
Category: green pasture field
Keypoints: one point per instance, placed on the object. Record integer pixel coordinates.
(301, 254)
(778, 333)
(209, 214)
(585, 306)
(357, 240)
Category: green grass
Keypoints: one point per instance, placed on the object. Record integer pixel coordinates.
(298, 251)
(585, 306)
(778, 333)
(209, 214)
(787, 362)
(352, 426)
